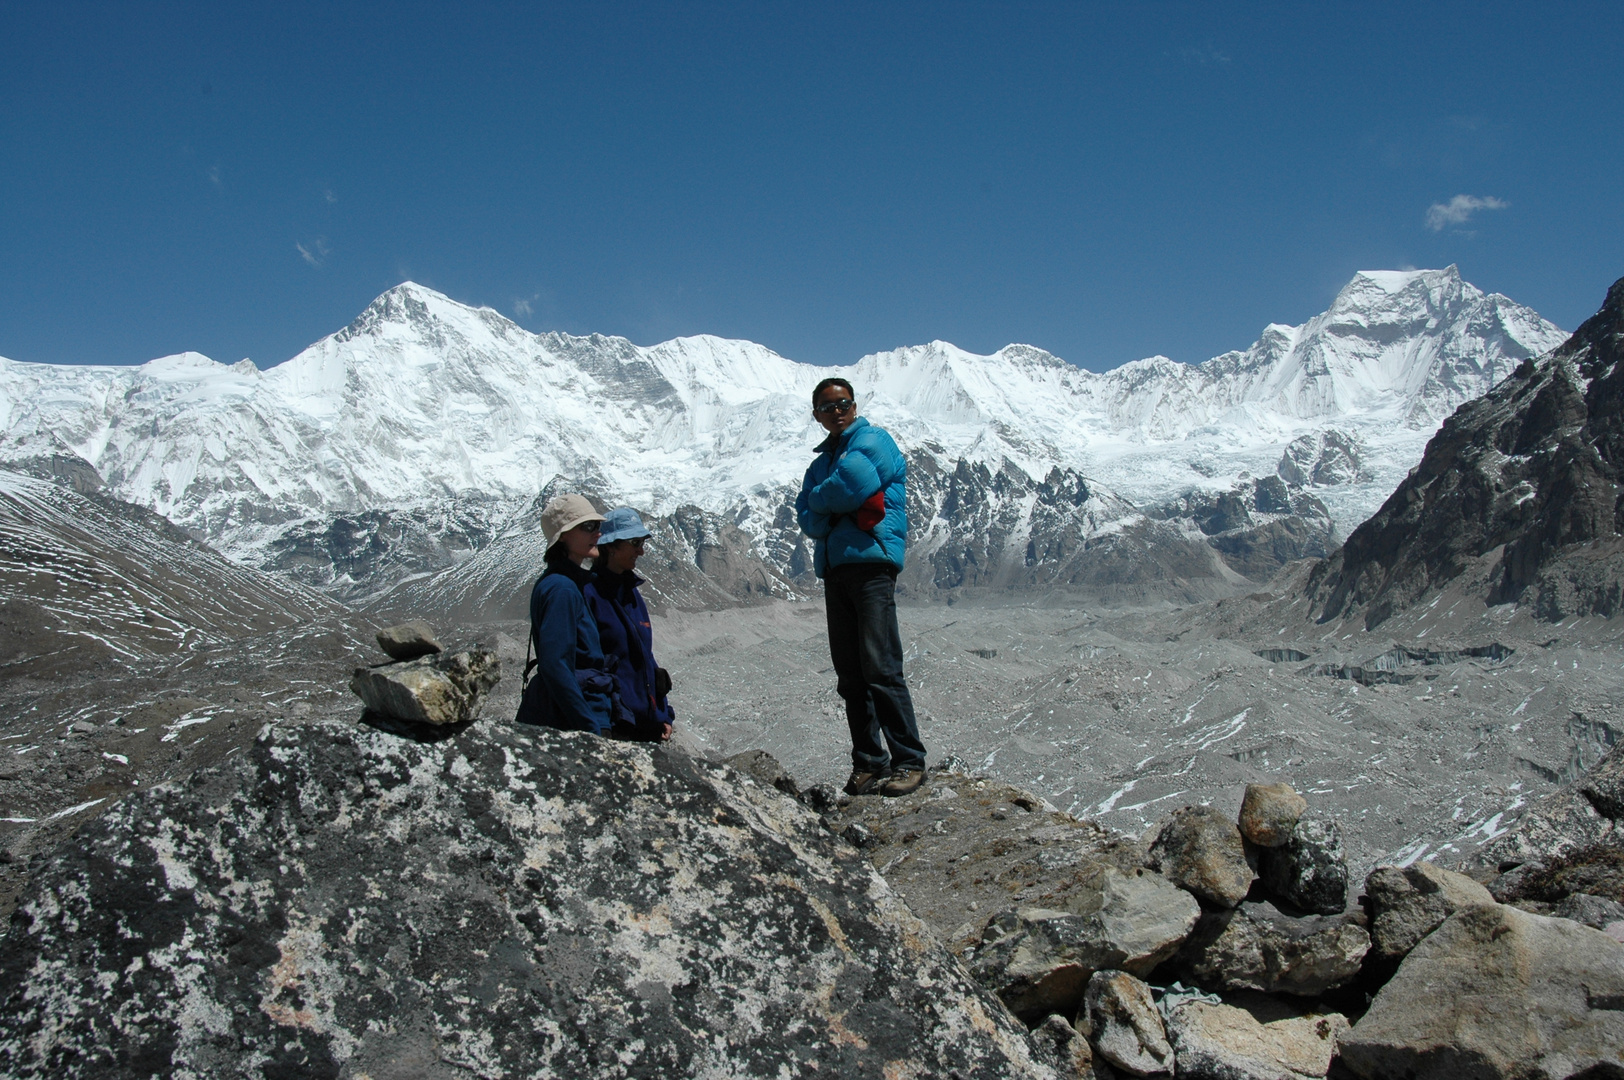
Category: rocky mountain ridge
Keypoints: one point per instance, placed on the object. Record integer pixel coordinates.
(422, 433)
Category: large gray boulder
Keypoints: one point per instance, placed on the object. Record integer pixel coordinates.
(1407, 903)
(1309, 869)
(337, 901)
(1604, 785)
(1221, 1042)
(1257, 947)
(1063, 1048)
(1124, 1024)
(1039, 960)
(1200, 850)
(1497, 993)
(442, 688)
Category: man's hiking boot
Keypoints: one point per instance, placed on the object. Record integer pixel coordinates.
(903, 782)
(863, 782)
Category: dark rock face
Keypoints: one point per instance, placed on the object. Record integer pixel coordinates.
(1533, 467)
(338, 901)
(1257, 527)
(1256, 947)
(1310, 871)
(1604, 785)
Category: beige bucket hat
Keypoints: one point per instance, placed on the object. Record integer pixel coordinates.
(564, 513)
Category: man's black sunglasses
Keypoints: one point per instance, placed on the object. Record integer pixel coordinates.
(829, 408)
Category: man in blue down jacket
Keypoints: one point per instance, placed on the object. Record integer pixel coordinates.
(853, 503)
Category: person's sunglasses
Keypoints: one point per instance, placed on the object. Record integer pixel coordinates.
(589, 527)
(830, 408)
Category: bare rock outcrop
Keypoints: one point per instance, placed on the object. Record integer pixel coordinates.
(503, 902)
(1497, 993)
(1201, 850)
(1257, 947)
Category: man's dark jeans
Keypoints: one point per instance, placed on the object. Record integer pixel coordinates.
(866, 646)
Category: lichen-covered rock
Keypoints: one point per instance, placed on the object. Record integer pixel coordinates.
(1596, 912)
(1257, 947)
(1221, 1042)
(1408, 903)
(763, 768)
(1124, 1024)
(408, 640)
(1309, 870)
(442, 688)
(1497, 993)
(1063, 1048)
(1269, 812)
(505, 902)
(1040, 960)
(1200, 850)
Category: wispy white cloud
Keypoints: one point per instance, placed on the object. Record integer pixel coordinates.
(316, 254)
(525, 306)
(1459, 210)
(214, 175)
(327, 194)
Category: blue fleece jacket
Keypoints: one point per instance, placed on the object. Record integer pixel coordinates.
(572, 688)
(628, 649)
(849, 468)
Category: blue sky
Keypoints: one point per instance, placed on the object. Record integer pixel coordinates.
(1107, 181)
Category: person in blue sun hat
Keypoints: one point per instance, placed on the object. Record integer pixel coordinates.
(627, 637)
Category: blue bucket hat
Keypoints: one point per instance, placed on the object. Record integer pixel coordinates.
(621, 523)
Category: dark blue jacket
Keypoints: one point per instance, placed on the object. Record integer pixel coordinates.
(849, 468)
(628, 649)
(572, 688)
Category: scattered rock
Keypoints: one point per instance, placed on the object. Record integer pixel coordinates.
(1310, 870)
(1269, 812)
(83, 727)
(1200, 850)
(858, 835)
(821, 798)
(1604, 785)
(1257, 947)
(952, 763)
(1597, 870)
(1063, 1048)
(1408, 904)
(507, 901)
(1126, 1028)
(408, 640)
(438, 689)
(763, 768)
(1497, 993)
(1040, 960)
(1594, 911)
(1221, 1042)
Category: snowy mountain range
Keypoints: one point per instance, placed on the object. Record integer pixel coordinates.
(426, 431)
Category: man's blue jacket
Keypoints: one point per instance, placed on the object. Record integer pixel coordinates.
(573, 688)
(849, 468)
(628, 649)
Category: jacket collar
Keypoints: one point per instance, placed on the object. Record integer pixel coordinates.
(834, 440)
(628, 580)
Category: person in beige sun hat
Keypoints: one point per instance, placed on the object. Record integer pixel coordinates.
(573, 687)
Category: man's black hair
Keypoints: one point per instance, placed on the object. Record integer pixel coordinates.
(826, 383)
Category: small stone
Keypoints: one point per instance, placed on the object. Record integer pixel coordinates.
(1269, 812)
(408, 640)
(1062, 1047)
(1408, 903)
(1200, 850)
(952, 763)
(1257, 947)
(84, 727)
(1497, 993)
(763, 768)
(437, 689)
(1221, 1042)
(1127, 1030)
(821, 798)
(1593, 911)
(858, 835)
(1310, 870)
